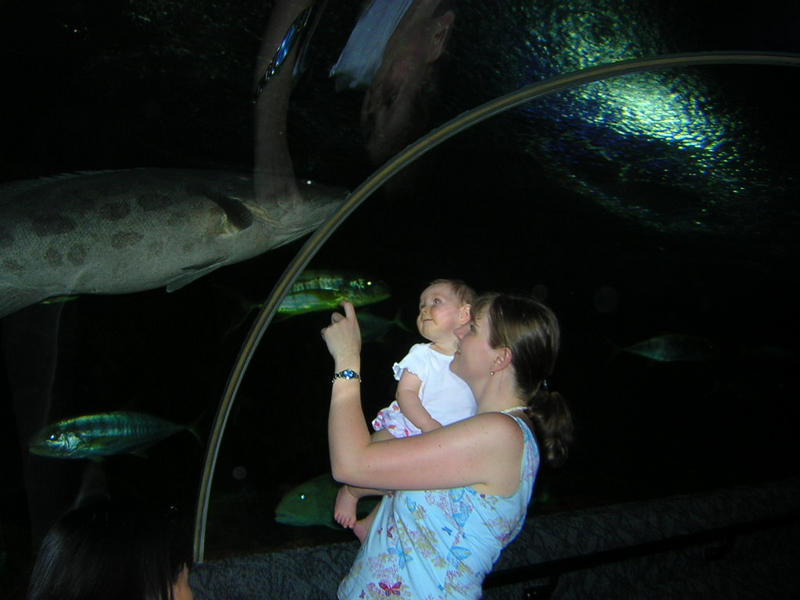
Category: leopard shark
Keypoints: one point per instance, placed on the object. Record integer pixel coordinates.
(130, 230)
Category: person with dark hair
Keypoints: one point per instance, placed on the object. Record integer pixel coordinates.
(460, 493)
(104, 551)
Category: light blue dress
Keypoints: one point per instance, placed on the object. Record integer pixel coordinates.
(432, 544)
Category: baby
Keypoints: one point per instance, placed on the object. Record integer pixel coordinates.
(428, 394)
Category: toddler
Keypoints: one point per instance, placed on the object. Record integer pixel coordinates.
(428, 394)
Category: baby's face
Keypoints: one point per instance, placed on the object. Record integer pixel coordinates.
(440, 313)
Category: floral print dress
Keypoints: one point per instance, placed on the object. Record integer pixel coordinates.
(432, 544)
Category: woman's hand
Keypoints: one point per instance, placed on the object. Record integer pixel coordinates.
(343, 338)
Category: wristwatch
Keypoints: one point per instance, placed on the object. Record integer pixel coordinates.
(346, 374)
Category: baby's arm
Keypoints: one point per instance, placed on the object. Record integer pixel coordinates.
(407, 397)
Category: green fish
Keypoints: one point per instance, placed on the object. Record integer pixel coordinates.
(103, 434)
(321, 290)
(312, 503)
(374, 327)
(674, 347)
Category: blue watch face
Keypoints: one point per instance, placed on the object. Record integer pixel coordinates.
(348, 374)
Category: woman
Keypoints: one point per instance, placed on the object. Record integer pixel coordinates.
(461, 491)
(105, 550)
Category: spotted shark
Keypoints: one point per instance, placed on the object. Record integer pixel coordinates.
(123, 231)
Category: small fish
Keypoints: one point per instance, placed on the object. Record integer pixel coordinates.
(674, 347)
(312, 503)
(374, 327)
(321, 290)
(102, 434)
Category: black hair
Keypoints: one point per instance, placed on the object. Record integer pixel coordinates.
(105, 550)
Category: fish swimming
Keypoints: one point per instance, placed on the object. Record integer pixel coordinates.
(117, 232)
(312, 503)
(674, 347)
(316, 290)
(374, 327)
(102, 434)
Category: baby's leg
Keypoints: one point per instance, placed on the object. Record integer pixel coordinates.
(362, 526)
(345, 509)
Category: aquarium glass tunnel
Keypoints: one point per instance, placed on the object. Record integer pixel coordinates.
(188, 190)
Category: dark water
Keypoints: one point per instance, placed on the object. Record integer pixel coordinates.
(166, 84)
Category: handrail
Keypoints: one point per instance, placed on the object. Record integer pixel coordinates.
(402, 159)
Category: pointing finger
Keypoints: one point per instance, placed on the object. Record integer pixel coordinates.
(349, 310)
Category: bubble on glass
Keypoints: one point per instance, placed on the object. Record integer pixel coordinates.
(239, 473)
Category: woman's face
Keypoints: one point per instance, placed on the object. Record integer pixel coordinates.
(474, 357)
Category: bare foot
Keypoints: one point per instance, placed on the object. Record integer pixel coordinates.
(362, 527)
(345, 509)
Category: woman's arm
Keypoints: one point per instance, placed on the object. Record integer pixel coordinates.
(357, 492)
(408, 399)
(483, 451)
(273, 170)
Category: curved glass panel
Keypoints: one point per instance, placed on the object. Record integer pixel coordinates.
(664, 365)
(296, 293)
(659, 206)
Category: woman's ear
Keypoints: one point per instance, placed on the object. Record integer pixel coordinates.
(442, 27)
(503, 358)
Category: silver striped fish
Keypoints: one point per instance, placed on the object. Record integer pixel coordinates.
(102, 434)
